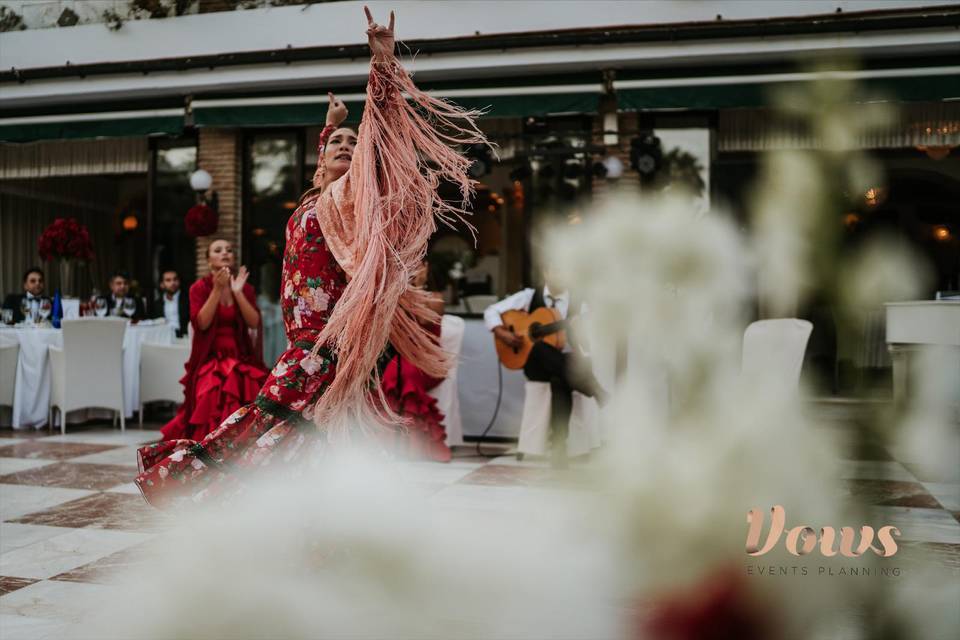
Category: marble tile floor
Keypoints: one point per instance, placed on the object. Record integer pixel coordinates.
(70, 515)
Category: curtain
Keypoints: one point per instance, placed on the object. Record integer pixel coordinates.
(934, 124)
(28, 206)
(73, 158)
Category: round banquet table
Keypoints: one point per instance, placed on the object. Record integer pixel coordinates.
(32, 389)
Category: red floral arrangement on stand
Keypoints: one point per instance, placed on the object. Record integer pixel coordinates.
(66, 239)
(200, 220)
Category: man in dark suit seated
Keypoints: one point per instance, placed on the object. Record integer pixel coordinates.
(32, 291)
(120, 291)
(173, 304)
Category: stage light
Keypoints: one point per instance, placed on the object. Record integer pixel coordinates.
(572, 170)
(941, 232)
(130, 223)
(521, 173)
(482, 160)
(646, 154)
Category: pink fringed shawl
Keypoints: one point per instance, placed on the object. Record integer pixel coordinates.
(376, 220)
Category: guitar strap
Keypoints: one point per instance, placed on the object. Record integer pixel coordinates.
(573, 308)
(537, 301)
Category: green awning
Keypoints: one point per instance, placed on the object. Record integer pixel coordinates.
(758, 93)
(103, 125)
(261, 112)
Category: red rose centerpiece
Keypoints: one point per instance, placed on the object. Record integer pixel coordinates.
(200, 220)
(66, 240)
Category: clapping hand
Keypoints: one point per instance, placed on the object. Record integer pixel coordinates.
(221, 278)
(380, 38)
(237, 281)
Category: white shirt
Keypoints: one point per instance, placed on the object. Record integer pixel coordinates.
(521, 300)
(171, 310)
(34, 302)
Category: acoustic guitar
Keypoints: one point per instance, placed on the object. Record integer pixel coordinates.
(542, 324)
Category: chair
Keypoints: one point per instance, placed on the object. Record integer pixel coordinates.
(88, 370)
(583, 433)
(774, 349)
(447, 393)
(161, 367)
(9, 355)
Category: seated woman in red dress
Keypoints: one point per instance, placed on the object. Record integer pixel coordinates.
(225, 370)
(405, 387)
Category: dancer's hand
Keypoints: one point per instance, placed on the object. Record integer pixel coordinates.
(221, 278)
(380, 38)
(237, 282)
(336, 110)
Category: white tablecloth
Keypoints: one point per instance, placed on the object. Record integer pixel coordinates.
(477, 381)
(32, 392)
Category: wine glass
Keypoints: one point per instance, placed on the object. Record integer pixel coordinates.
(26, 308)
(46, 308)
(129, 307)
(100, 307)
(8, 316)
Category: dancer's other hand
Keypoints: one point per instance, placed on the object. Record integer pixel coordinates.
(336, 110)
(221, 278)
(237, 282)
(380, 38)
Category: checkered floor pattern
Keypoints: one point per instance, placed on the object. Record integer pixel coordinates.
(70, 515)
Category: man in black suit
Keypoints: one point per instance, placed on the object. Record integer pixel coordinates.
(119, 291)
(32, 290)
(173, 304)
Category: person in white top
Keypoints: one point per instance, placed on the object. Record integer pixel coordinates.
(567, 370)
(172, 305)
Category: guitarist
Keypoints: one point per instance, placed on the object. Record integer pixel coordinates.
(566, 371)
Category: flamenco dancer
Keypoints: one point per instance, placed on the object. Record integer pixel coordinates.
(352, 247)
(226, 369)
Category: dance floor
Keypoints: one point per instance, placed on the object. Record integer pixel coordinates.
(70, 516)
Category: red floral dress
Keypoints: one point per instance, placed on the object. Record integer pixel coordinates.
(271, 429)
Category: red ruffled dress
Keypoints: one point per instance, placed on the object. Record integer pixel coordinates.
(224, 373)
(225, 380)
(424, 435)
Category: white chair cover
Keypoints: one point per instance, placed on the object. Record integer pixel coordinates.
(584, 429)
(447, 393)
(774, 349)
(88, 371)
(161, 367)
(9, 354)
